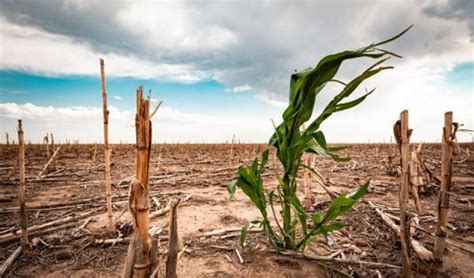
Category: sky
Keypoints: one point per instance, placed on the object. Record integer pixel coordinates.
(222, 68)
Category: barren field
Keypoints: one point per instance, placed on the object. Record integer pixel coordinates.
(199, 174)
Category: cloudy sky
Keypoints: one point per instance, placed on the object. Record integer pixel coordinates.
(222, 67)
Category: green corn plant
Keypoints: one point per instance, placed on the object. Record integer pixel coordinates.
(291, 142)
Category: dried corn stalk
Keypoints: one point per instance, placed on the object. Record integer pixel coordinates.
(22, 187)
(447, 149)
(402, 134)
(138, 258)
(416, 177)
(107, 150)
(46, 142)
(52, 167)
(174, 248)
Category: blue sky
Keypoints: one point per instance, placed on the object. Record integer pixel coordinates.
(197, 97)
(462, 77)
(222, 71)
(204, 98)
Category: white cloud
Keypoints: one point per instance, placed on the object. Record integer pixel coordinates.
(84, 123)
(239, 89)
(417, 86)
(34, 50)
(170, 26)
(272, 99)
(117, 97)
(48, 113)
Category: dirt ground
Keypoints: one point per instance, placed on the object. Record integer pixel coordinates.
(201, 173)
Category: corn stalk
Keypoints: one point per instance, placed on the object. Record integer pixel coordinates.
(138, 262)
(22, 187)
(107, 149)
(291, 143)
(447, 154)
(139, 191)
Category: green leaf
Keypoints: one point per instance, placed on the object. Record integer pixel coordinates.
(314, 148)
(264, 160)
(350, 104)
(337, 149)
(255, 166)
(394, 37)
(330, 228)
(361, 191)
(338, 206)
(318, 145)
(338, 158)
(300, 212)
(317, 218)
(320, 138)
